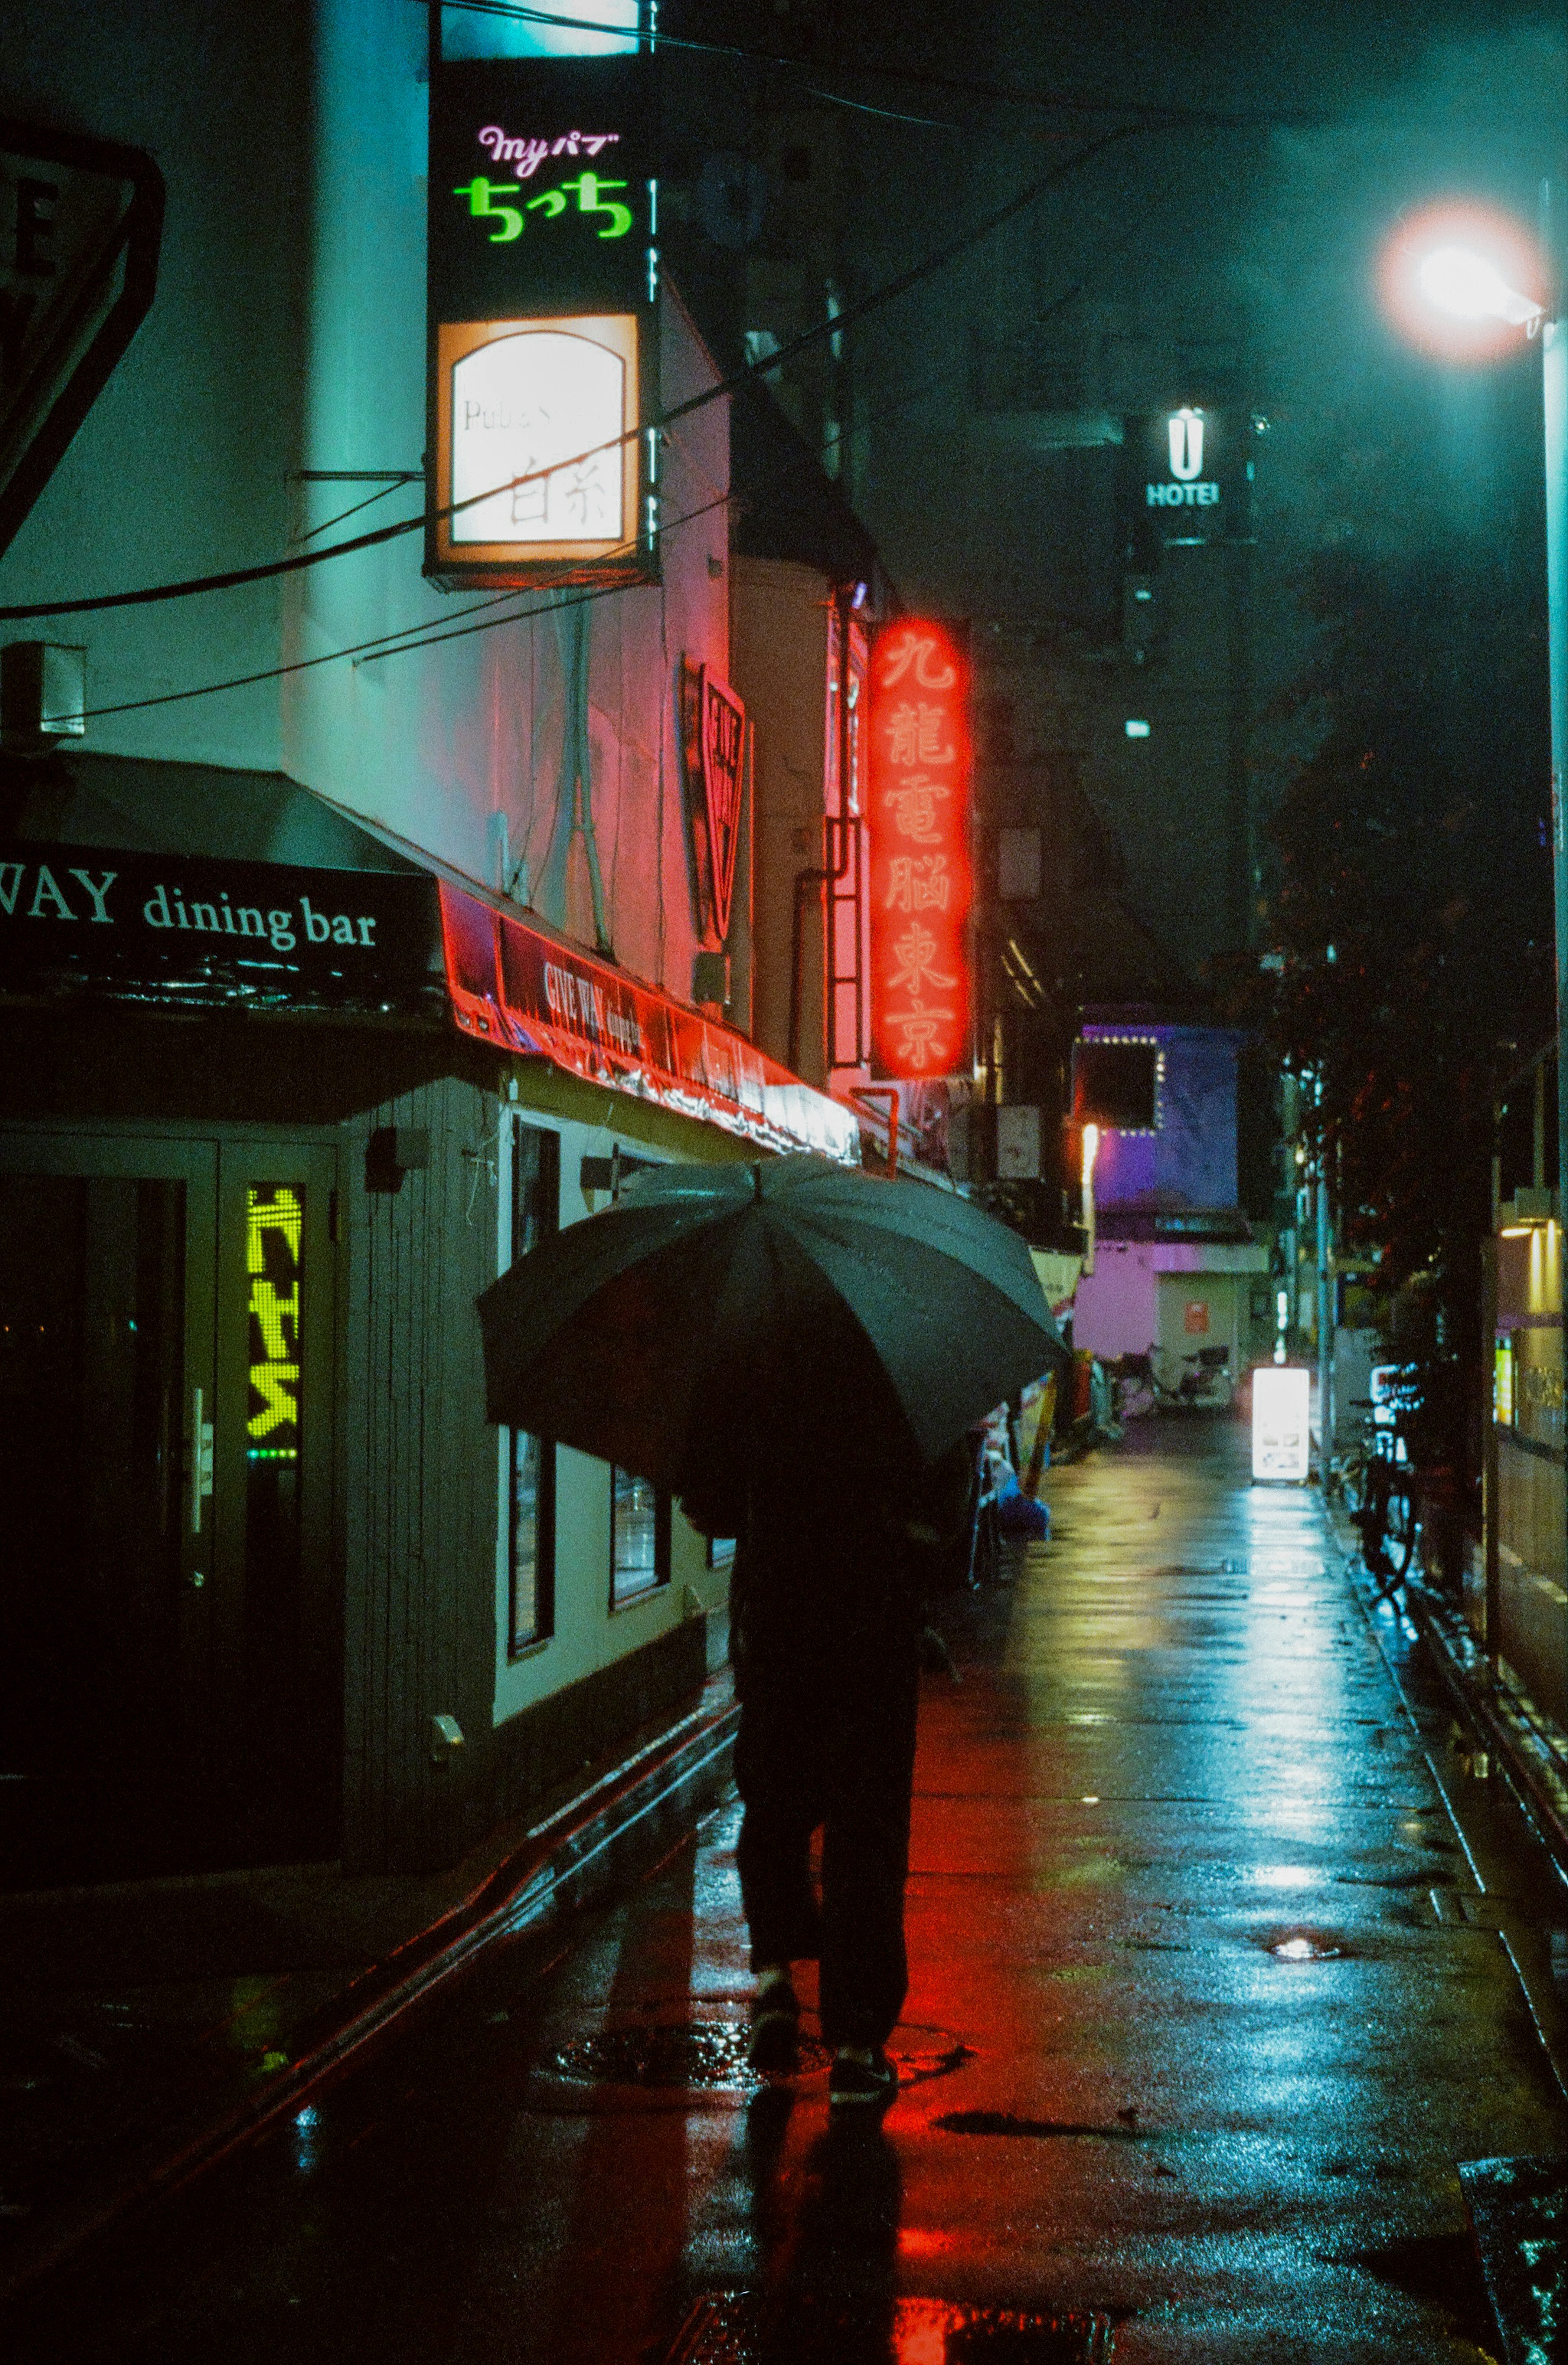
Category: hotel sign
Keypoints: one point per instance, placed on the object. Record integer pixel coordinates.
(542, 293)
(1184, 480)
(918, 875)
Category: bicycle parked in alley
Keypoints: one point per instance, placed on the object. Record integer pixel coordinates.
(1378, 1477)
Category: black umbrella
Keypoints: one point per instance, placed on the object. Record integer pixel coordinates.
(793, 1309)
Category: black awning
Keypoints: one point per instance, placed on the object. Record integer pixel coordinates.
(191, 886)
(140, 806)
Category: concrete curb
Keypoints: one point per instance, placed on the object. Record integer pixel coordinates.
(569, 1861)
(1490, 1706)
(1484, 1700)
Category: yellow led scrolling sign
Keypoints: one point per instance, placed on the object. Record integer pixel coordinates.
(537, 457)
(274, 1220)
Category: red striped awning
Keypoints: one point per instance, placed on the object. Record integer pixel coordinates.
(514, 986)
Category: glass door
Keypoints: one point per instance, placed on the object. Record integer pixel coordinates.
(169, 1606)
(107, 1383)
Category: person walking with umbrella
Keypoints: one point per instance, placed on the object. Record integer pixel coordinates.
(826, 1616)
(797, 1350)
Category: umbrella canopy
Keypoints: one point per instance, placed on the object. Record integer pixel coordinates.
(792, 1309)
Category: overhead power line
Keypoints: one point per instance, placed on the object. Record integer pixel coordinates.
(1061, 102)
(944, 378)
(1104, 252)
(410, 636)
(835, 325)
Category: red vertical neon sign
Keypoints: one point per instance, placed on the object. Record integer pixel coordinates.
(919, 871)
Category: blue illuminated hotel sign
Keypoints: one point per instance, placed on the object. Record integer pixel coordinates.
(1184, 480)
(1188, 442)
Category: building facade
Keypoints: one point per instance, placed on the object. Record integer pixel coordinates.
(355, 933)
(1518, 1599)
(1178, 1275)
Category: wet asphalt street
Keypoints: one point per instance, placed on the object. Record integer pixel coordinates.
(1208, 2000)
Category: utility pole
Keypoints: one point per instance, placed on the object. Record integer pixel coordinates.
(1555, 387)
(1325, 1324)
(1240, 891)
(1554, 404)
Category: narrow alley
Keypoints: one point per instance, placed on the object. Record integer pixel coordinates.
(1211, 1994)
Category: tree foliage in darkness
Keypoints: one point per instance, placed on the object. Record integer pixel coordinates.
(1412, 898)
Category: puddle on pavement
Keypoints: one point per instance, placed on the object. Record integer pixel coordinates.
(695, 2057)
(665, 2064)
(1306, 1947)
(738, 2328)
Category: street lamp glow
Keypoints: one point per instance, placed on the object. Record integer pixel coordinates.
(1091, 1145)
(1459, 280)
(1463, 281)
(1467, 265)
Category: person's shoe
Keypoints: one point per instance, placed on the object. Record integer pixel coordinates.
(775, 2044)
(861, 2079)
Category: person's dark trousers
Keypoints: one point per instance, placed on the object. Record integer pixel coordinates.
(835, 1749)
(777, 1778)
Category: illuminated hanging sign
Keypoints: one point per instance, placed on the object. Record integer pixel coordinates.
(546, 411)
(1282, 1441)
(1185, 476)
(918, 877)
(275, 1222)
(713, 752)
(543, 286)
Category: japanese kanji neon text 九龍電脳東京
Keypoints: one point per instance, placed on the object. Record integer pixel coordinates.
(919, 868)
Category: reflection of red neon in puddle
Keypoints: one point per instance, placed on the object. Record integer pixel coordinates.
(924, 2241)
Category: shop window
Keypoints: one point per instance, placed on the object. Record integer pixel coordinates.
(531, 1491)
(639, 1538)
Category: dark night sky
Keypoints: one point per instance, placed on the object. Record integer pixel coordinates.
(1263, 238)
(1251, 248)
(1229, 263)
(1256, 239)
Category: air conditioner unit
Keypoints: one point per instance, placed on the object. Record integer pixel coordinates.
(43, 694)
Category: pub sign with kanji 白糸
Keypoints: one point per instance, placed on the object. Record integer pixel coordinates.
(543, 291)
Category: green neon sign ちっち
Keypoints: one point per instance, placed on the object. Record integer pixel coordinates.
(589, 189)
